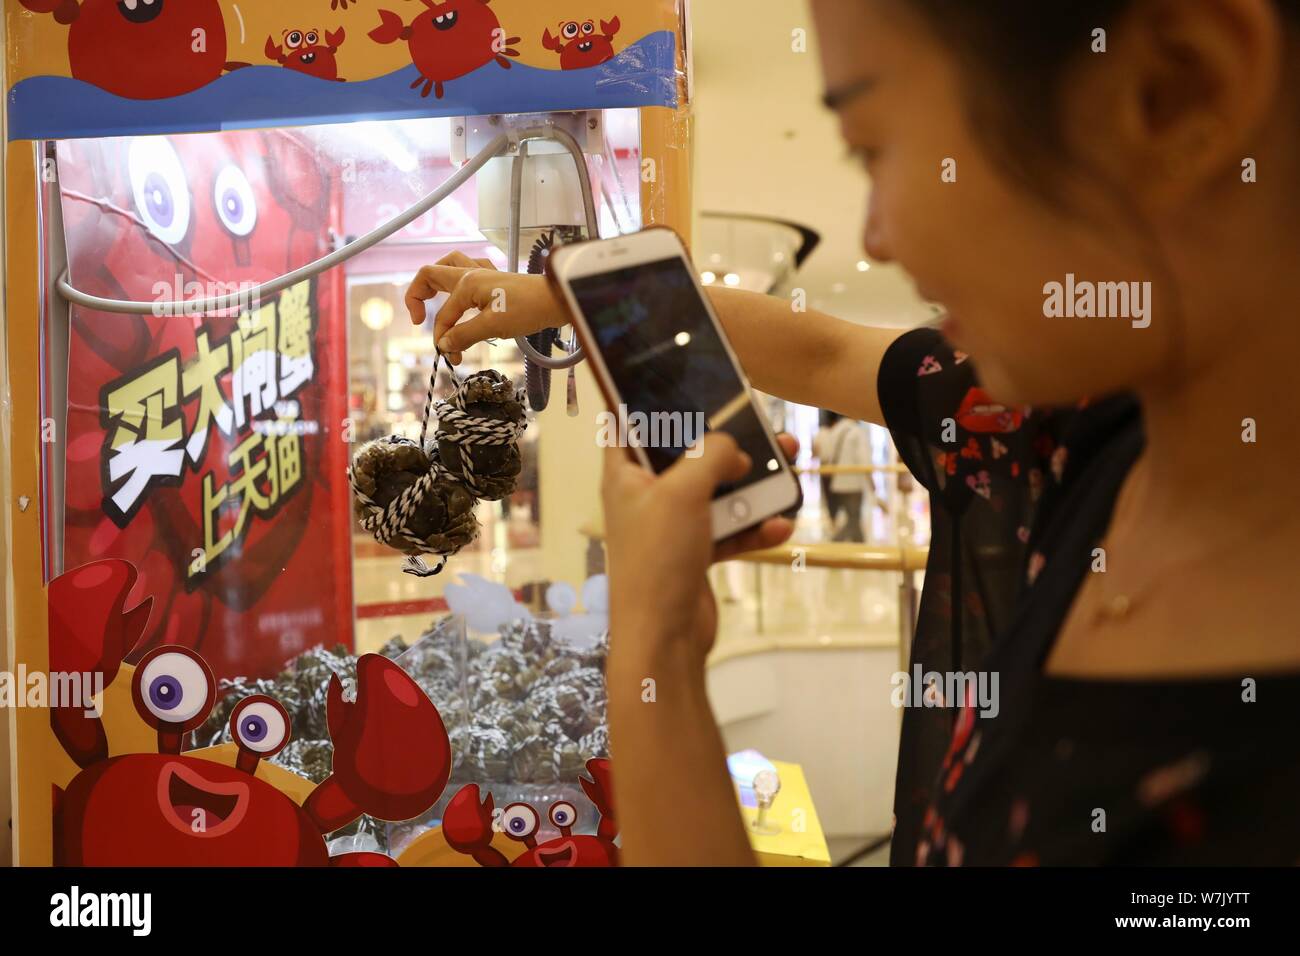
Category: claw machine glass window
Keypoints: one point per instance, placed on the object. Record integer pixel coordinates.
(212, 209)
(211, 447)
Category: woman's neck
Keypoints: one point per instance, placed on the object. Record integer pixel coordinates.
(1223, 442)
(1201, 543)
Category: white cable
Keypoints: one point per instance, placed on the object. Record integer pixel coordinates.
(516, 199)
(354, 248)
(493, 149)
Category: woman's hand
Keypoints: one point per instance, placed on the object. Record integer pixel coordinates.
(676, 802)
(509, 304)
(660, 544)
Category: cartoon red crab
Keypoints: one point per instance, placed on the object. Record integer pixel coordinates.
(171, 46)
(580, 46)
(303, 51)
(467, 826)
(392, 756)
(448, 40)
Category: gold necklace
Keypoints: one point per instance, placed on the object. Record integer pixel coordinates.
(1114, 608)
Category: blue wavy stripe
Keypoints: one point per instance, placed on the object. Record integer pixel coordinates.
(58, 107)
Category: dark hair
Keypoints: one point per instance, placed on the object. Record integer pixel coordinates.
(1018, 54)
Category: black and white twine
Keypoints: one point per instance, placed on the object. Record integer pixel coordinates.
(390, 525)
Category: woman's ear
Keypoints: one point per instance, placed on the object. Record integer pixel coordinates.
(1187, 87)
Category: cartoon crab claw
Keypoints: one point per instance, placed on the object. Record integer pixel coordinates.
(467, 826)
(392, 757)
(610, 28)
(362, 858)
(390, 28)
(65, 11)
(91, 628)
(91, 631)
(336, 708)
(600, 790)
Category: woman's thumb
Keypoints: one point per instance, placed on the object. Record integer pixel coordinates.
(471, 331)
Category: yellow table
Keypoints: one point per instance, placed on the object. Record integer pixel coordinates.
(800, 841)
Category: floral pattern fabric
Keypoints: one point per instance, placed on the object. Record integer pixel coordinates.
(1061, 772)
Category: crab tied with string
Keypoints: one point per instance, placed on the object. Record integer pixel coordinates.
(419, 497)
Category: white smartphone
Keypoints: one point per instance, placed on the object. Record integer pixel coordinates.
(666, 368)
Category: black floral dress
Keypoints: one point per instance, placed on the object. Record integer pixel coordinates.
(1059, 772)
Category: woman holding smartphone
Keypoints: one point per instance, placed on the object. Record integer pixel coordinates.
(1104, 196)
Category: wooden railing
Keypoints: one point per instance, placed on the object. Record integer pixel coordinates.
(854, 470)
(834, 554)
(821, 554)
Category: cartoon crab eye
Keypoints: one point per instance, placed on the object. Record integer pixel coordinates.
(570, 30)
(173, 685)
(588, 28)
(293, 40)
(519, 821)
(236, 204)
(311, 38)
(563, 814)
(260, 724)
(158, 186)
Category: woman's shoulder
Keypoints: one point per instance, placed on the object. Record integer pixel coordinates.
(946, 426)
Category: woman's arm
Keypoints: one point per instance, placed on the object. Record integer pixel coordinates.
(673, 797)
(809, 358)
(805, 357)
(675, 803)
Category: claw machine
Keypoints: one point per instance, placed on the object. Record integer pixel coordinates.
(211, 211)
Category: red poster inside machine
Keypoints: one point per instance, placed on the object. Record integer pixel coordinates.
(207, 449)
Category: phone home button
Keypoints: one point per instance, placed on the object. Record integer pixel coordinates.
(739, 508)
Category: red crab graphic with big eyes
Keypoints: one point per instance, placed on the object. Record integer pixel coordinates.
(448, 40)
(392, 757)
(580, 46)
(303, 51)
(160, 39)
(244, 204)
(468, 827)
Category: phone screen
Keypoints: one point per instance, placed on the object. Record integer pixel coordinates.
(669, 365)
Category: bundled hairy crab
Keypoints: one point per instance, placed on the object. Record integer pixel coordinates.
(525, 710)
(419, 497)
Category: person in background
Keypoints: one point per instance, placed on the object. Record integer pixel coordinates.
(823, 479)
(844, 444)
